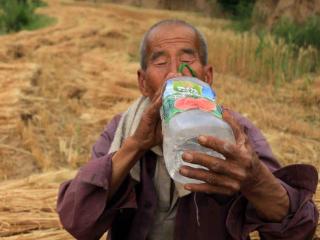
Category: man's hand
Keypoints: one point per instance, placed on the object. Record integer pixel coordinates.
(224, 177)
(148, 133)
(241, 171)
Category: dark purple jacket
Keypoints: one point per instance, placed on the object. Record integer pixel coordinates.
(85, 213)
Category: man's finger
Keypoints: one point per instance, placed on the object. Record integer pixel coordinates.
(235, 126)
(156, 101)
(216, 165)
(210, 178)
(162, 89)
(153, 109)
(227, 149)
(157, 95)
(209, 189)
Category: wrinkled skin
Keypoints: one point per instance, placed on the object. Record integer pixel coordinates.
(168, 47)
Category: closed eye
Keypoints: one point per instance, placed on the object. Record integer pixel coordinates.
(160, 63)
(187, 59)
(187, 56)
(159, 58)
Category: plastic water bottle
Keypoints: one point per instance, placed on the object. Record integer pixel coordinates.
(189, 109)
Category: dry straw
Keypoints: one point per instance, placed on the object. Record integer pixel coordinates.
(28, 206)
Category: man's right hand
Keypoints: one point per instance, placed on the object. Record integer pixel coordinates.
(149, 132)
(147, 135)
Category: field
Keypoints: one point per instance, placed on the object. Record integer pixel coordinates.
(59, 86)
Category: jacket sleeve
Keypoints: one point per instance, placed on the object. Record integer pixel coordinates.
(82, 202)
(300, 182)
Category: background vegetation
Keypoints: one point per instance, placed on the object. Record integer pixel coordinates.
(283, 53)
(16, 15)
(302, 35)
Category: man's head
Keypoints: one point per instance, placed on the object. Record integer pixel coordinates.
(164, 47)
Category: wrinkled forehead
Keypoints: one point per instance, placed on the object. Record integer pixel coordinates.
(170, 34)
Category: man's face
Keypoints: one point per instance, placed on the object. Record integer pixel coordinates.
(168, 47)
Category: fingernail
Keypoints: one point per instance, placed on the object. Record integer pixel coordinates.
(187, 157)
(227, 146)
(183, 171)
(187, 187)
(202, 139)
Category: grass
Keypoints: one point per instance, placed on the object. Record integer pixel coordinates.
(18, 15)
(287, 52)
(300, 35)
(241, 13)
(40, 21)
(260, 58)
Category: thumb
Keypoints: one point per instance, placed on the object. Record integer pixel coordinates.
(235, 126)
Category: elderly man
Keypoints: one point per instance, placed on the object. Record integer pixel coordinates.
(125, 189)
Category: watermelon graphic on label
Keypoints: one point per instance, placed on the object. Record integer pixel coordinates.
(206, 105)
(188, 103)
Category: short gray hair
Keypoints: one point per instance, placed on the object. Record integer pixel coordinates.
(203, 47)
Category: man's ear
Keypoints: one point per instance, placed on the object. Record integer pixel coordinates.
(208, 74)
(142, 82)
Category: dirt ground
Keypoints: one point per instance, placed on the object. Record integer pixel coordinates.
(59, 86)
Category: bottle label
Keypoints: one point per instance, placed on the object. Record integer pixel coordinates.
(180, 96)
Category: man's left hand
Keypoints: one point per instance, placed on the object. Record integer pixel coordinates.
(241, 171)
(228, 176)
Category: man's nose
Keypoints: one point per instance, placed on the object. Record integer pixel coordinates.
(173, 70)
